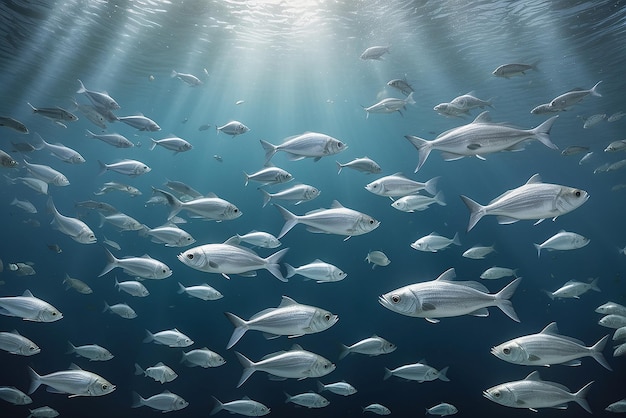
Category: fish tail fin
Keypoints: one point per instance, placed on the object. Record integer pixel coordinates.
(345, 350)
(41, 144)
(579, 397)
(103, 168)
(440, 198)
(477, 211)
(111, 263)
(181, 289)
(240, 328)
(431, 185)
(149, 337)
(117, 285)
(247, 177)
(175, 204)
(550, 294)
(290, 220)
(82, 88)
(153, 144)
(89, 133)
(106, 307)
(387, 374)
(594, 285)
(248, 368)
(271, 264)
(538, 247)
(596, 352)
(503, 302)
(34, 109)
(339, 167)
(594, 90)
(320, 387)
(442, 374)
(270, 150)
(456, 240)
(138, 370)
(409, 99)
(35, 380)
(291, 271)
(137, 400)
(266, 197)
(542, 133)
(423, 148)
(218, 406)
(173, 74)
(71, 349)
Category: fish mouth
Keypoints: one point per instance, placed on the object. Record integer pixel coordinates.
(488, 395)
(384, 302)
(493, 351)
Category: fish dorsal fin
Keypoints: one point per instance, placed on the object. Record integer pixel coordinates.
(166, 392)
(159, 364)
(16, 332)
(296, 347)
(176, 330)
(399, 174)
(246, 398)
(535, 179)
(447, 276)
(205, 348)
(484, 117)
(434, 234)
(561, 231)
(311, 212)
(234, 240)
(146, 256)
(374, 336)
(336, 205)
(211, 195)
(534, 376)
(287, 301)
(317, 260)
(423, 361)
(74, 367)
(551, 329)
(27, 294)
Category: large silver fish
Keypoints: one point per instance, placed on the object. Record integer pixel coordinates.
(72, 227)
(210, 207)
(307, 145)
(145, 267)
(336, 220)
(570, 98)
(289, 318)
(443, 297)
(74, 382)
(533, 200)
(228, 259)
(549, 347)
(479, 138)
(389, 105)
(534, 393)
(298, 194)
(140, 122)
(245, 406)
(132, 168)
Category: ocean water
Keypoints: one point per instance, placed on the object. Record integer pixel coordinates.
(296, 67)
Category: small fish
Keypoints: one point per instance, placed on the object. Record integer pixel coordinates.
(420, 372)
(99, 99)
(593, 120)
(239, 102)
(14, 396)
(204, 127)
(73, 382)
(398, 185)
(164, 402)
(364, 165)
(616, 146)
(613, 321)
(268, 175)
(308, 400)
(377, 258)
(111, 244)
(140, 122)
(585, 158)
(318, 270)
(72, 227)
(544, 109)
(203, 292)
(478, 252)
(562, 241)
(574, 289)
(23, 269)
(116, 140)
(6, 160)
(402, 85)
(55, 248)
(233, 128)
(132, 168)
(611, 308)
(469, 102)
(92, 113)
(374, 53)
(377, 409)
(570, 98)
(111, 185)
(15, 343)
(245, 406)
(435, 242)
(76, 284)
(190, 79)
(256, 239)
(43, 412)
(443, 409)
(418, 202)
(616, 116)
(47, 174)
(202, 357)
(574, 149)
(372, 346)
(298, 194)
(389, 105)
(450, 110)
(122, 310)
(172, 143)
(93, 352)
(617, 407)
(159, 372)
(14, 124)
(513, 69)
(169, 234)
(494, 273)
(218, 158)
(121, 221)
(55, 114)
(145, 267)
(340, 388)
(132, 287)
(307, 145)
(25, 205)
(170, 338)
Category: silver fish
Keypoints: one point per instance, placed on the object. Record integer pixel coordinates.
(122, 310)
(91, 113)
(140, 122)
(374, 52)
(493, 273)
(574, 149)
(478, 252)
(170, 338)
(245, 406)
(159, 372)
(232, 128)
(377, 258)
(570, 98)
(132, 287)
(93, 352)
(616, 146)
(574, 289)
(268, 175)
(533, 200)
(513, 69)
(420, 372)
(190, 79)
(450, 110)
(397, 185)
(479, 138)
(111, 185)
(544, 109)
(307, 145)
(76, 284)
(7, 161)
(256, 239)
(561, 241)
(308, 400)
(611, 308)
(36, 184)
(318, 270)
(364, 165)
(202, 357)
(182, 188)
(389, 105)
(203, 292)
(25, 205)
(210, 207)
(469, 102)
(434, 242)
(14, 124)
(132, 168)
(72, 227)
(14, 396)
(15, 343)
(99, 99)
(298, 193)
(121, 221)
(170, 235)
(443, 409)
(116, 140)
(172, 143)
(47, 174)
(616, 116)
(289, 318)
(55, 114)
(74, 382)
(164, 402)
(145, 267)
(377, 409)
(372, 346)
(402, 85)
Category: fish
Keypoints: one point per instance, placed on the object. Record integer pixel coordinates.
(23, 147)
(290, 318)
(169, 234)
(23, 269)
(397, 185)
(377, 409)
(204, 127)
(307, 145)
(574, 149)
(189, 79)
(308, 400)
(159, 372)
(469, 102)
(111, 185)
(495, 272)
(14, 124)
(611, 308)
(132, 287)
(7, 161)
(43, 412)
(99, 99)
(55, 114)
(72, 227)
(203, 292)
(232, 128)
(533, 200)
(574, 289)
(402, 85)
(445, 297)
(182, 188)
(585, 158)
(435, 242)
(617, 407)
(74, 382)
(417, 202)
(481, 137)
(145, 266)
(545, 108)
(170, 338)
(296, 363)
(562, 241)
(15, 343)
(25, 205)
(318, 270)
(165, 401)
(364, 165)
(228, 259)
(616, 116)
(256, 239)
(570, 98)
(132, 168)
(111, 244)
(47, 174)
(245, 406)
(620, 334)
(593, 120)
(336, 220)
(116, 140)
(339, 388)
(268, 175)
(616, 146)
(375, 52)
(420, 372)
(76, 284)
(372, 346)
(140, 122)
(613, 321)
(478, 252)
(443, 409)
(123, 310)
(298, 194)
(549, 347)
(534, 393)
(450, 110)
(377, 258)
(92, 114)
(121, 221)
(210, 207)
(202, 357)
(390, 105)
(93, 352)
(14, 396)
(172, 143)
(513, 69)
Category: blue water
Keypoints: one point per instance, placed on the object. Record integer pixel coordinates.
(296, 65)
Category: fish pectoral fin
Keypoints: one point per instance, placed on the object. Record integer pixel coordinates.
(505, 220)
(248, 273)
(562, 406)
(294, 336)
(432, 320)
(225, 276)
(572, 363)
(539, 221)
(474, 146)
(482, 312)
(480, 157)
(269, 336)
(213, 264)
(428, 307)
(533, 357)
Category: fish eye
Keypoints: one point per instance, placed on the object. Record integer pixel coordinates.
(190, 256)
(371, 222)
(496, 394)
(395, 298)
(327, 317)
(164, 271)
(506, 350)
(31, 348)
(105, 386)
(577, 193)
(54, 314)
(235, 210)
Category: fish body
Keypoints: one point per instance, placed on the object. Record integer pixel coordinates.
(374, 52)
(43, 412)
(233, 128)
(76, 284)
(72, 227)
(495, 272)
(570, 98)
(298, 194)
(228, 259)
(92, 114)
(594, 120)
(170, 235)
(616, 116)
(211, 208)
(616, 146)
(14, 124)
(15, 343)
(617, 407)
(170, 338)
(533, 200)
(417, 202)
(25, 205)
(33, 183)
(611, 308)
(93, 352)
(203, 292)
(390, 105)
(318, 270)
(164, 402)
(145, 267)
(132, 287)
(74, 382)
(372, 346)
(111, 185)
(290, 318)
(613, 321)
(364, 165)
(562, 241)
(14, 396)
(202, 357)
(544, 109)
(549, 347)
(172, 143)
(245, 406)
(189, 79)
(123, 310)
(121, 221)
(307, 145)
(55, 114)
(450, 110)
(574, 149)
(574, 289)
(533, 393)
(377, 409)
(339, 388)
(116, 140)
(479, 138)
(132, 168)
(336, 220)
(402, 85)
(469, 102)
(308, 400)
(256, 239)
(99, 99)
(159, 372)
(140, 122)
(420, 372)
(513, 69)
(443, 409)
(478, 252)
(377, 258)
(435, 242)
(397, 185)
(269, 175)
(47, 174)
(444, 297)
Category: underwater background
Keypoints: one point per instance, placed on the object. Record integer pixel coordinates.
(296, 67)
